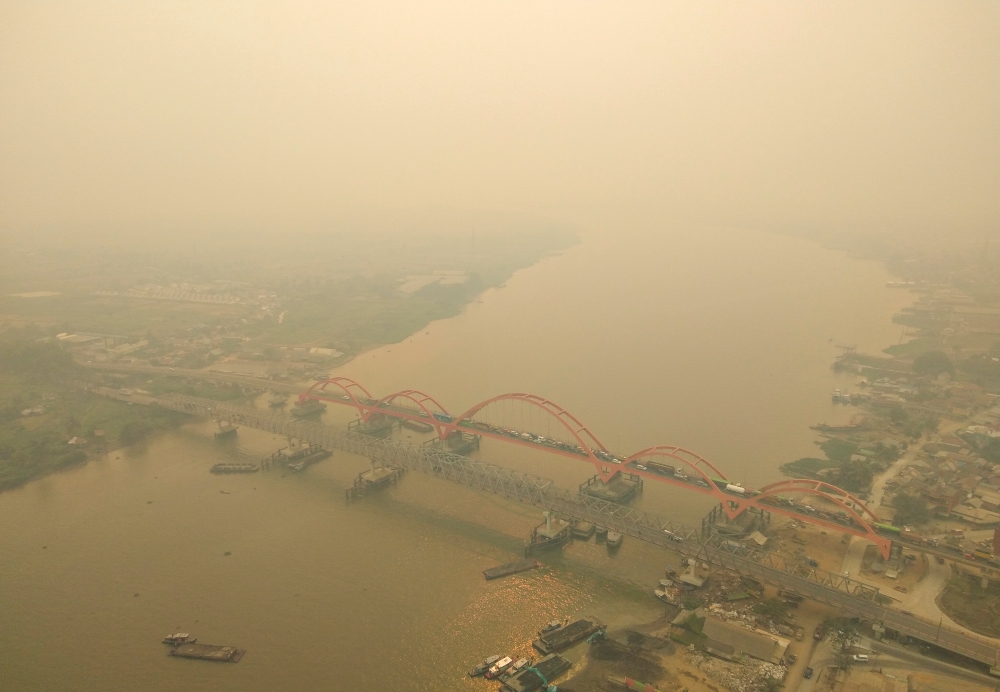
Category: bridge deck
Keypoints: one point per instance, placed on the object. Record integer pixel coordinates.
(848, 596)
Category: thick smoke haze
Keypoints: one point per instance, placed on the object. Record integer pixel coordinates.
(279, 116)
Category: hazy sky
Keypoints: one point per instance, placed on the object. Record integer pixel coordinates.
(282, 114)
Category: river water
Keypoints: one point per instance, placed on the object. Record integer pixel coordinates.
(718, 340)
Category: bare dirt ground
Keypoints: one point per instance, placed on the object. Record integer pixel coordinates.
(908, 577)
(804, 542)
(643, 653)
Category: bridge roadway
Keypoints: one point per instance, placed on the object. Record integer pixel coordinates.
(846, 595)
(701, 477)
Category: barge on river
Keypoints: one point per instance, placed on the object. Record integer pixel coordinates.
(552, 533)
(538, 676)
(510, 568)
(234, 468)
(567, 636)
(298, 459)
(208, 652)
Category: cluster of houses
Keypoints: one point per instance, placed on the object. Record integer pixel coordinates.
(958, 484)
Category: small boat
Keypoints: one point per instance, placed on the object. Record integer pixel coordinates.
(665, 596)
(550, 627)
(518, 665)
(179, 638)
(483, 667)
(499, 667)
(614, 538)
(666, 583)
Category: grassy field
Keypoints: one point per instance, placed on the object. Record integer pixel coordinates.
(970, 605)
(34, 373)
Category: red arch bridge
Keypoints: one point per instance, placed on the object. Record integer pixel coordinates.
(535, 422)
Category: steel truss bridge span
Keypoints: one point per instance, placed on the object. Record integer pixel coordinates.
(663, 464)
(849, 596)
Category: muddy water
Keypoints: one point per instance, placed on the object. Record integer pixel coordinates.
(715, 340)
(719, 341)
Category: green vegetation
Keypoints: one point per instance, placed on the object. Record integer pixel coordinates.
(991, 450)
(838, 450)
(838, 468)
(37, 373)
(286, 297)
(354, 314)
(910, 510)
(966, 602)
(844, 636)
(774, 608)
(933, 363)
(853, 476)
(807, 467)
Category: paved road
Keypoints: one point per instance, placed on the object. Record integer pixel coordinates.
(891, 656)
(922, 601)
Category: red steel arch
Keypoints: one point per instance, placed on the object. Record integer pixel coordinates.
(423, 401)
(737, 505)
(685, 456)
(829, 490)
(356, 394)
(586, 440)
(734, 501)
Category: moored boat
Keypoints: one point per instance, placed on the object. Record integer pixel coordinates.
(179, 638)
(484, 666)
(499, 667)
(614, 538)
(516, 667)
(550, 627)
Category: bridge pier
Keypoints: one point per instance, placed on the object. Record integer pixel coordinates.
(375, 478)
(621, 489)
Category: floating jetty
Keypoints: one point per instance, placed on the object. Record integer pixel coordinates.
(552, 533)
(567, 636)
(208, 652)
(234, 468)
(510, 568)
(538, 676)
(298, 459)
(583, 529)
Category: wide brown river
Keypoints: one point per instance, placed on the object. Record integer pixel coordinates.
(715, 340)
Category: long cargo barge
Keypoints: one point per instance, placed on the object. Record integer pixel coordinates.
(234, 468)
(209, 652)
(510, 568)
(567, 636)
(538, 676)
